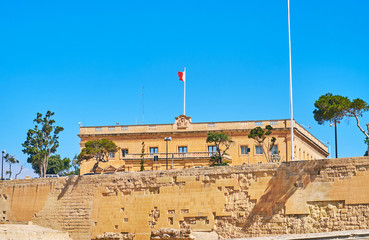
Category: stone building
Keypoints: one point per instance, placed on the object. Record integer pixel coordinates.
(188, 148)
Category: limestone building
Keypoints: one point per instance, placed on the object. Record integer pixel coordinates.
(188, 148)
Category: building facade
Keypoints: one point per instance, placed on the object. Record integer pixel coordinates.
(187, 147)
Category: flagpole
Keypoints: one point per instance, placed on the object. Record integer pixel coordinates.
(184, 93)
(291, 100)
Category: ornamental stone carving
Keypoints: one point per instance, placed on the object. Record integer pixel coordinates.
(182, 122)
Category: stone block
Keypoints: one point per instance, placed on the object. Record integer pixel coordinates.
(164, 180)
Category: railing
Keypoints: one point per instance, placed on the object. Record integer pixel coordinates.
(119, 129)
(176, 155)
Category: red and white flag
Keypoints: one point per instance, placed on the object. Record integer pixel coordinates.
(182, 76)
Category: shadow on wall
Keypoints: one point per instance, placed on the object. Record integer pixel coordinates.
(68, 184)
(290, 177)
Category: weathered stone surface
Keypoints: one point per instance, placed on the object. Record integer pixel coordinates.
(355, 234)
(115, 236)
(235, 202)
(169, 233)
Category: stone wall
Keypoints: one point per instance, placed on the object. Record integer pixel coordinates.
(237, 201)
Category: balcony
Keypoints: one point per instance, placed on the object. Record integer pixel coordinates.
(175, 156)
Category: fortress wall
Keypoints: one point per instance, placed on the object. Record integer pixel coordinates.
(236, 201)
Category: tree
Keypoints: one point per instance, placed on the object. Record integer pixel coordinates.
(98, 150)
(19, 172)
(259, 135)
(219, 140)
(332, 108)
(42, 141)
(57, 165)
(142, 168)
(10, 159)
(75, 165)
(356, 109)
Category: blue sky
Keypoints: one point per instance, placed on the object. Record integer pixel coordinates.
(88, 60)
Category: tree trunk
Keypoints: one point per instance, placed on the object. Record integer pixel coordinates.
(16, 175)
(220, 156)
(46, 163)
(265, 152)
(95, 167)
(44, 167)
(368, 139)
(41, 170)
(362, 130)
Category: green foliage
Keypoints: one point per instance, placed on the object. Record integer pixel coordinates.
(259, 135)
(333, 108)
(330, 108)
(76, 166)
(57, 165)
(142, 168)
(215, 161)
(357, 108)
(42, 141)
(10, 159)
(98, 150)
(220, 140)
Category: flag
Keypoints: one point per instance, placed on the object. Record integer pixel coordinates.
(182, 76)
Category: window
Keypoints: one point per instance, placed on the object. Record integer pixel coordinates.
(274, 149)
(98, 129)
(211, 125)
(245, 150)
(243, 123)
(258, 149)
(212, 148)
(153, 150)
(273, 123)
(124, 152)
(111, 128)
(182, 150)
(111, 155)
(125, 128)
(258, 123)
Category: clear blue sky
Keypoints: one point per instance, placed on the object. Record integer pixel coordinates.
(88, 60)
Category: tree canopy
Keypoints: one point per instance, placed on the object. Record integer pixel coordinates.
(330, 108)
(56, 165)
(333, 108)
(259, 135)
(98, 150)
(42, 141)
(222, 143)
